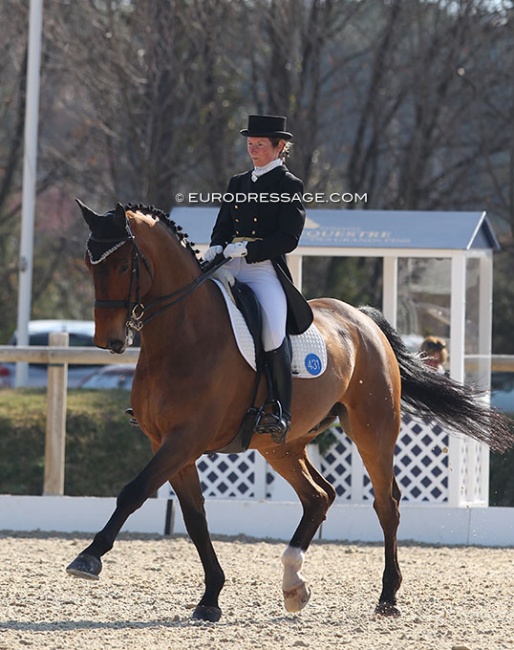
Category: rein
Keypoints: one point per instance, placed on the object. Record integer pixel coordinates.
(175, 296)
(136, 318)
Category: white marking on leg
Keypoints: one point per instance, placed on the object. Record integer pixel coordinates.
(292, 559)
(296, 591)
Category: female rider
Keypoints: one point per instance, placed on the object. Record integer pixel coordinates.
(260, 221)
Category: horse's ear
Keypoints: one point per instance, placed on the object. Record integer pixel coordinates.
(120, 217)
(89, 215)
(120, 212)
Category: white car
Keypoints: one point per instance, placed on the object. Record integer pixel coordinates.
(118, 376)
(81, 333)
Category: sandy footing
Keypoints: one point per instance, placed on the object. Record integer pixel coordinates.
(451, 598)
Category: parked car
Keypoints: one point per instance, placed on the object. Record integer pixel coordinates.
(119, 375)
(81, 333)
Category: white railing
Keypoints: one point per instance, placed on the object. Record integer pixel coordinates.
(61, 354)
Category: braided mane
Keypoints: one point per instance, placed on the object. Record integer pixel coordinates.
(156, 213)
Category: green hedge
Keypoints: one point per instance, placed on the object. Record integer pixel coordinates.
(103, 452)
(501, 479)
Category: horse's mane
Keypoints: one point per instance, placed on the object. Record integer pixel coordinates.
(156, 213)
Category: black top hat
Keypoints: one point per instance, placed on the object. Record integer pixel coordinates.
(266, 126)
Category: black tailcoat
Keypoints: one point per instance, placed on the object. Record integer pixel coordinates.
(275, 217)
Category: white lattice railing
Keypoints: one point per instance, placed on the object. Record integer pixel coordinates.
(422, 466)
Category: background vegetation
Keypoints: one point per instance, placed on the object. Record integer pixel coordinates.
(410, 103)
(103, 452)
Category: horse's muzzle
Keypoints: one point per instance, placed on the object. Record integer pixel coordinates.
(117, 346)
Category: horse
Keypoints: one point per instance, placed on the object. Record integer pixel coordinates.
(192, 388)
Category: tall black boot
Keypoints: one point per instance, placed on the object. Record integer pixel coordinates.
(279, 367)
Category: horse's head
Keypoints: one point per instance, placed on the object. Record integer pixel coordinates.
(120, 274)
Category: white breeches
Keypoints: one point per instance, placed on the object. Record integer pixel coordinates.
(262, 278)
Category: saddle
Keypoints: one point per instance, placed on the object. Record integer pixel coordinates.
(247, 303)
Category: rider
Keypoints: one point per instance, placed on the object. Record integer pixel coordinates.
(260, 221)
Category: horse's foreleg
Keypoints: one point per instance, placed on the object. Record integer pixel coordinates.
(316, 496)
(186, 485)
(88, 563)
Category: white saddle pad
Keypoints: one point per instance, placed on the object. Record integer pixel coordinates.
(309, 349)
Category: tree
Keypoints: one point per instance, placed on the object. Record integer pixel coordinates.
(406, 103)
(157, 91)
(300, 54)
(13, 65)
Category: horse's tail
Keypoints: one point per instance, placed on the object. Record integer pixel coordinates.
(427, 393)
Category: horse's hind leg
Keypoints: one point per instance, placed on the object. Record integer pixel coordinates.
(379, 465)
(186, 485)
(316, 496)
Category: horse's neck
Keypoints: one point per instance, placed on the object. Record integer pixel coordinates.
(172, 264)
(174, 268)
(183, 329)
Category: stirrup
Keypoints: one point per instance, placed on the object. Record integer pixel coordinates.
(275, 423)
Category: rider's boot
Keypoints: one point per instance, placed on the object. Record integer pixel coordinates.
(278, 421)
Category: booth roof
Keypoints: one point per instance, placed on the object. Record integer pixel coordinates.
(381, 229)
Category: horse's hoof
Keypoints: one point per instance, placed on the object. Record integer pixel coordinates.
(387, 609)
(85, 566)
(296, 599)
(207, 613)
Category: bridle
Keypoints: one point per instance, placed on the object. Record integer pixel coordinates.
(137, 315)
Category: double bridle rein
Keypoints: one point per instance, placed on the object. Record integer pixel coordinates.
(136, 310)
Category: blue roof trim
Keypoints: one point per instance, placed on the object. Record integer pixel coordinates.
(380, 229)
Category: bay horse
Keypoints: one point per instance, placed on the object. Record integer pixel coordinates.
(192, 388)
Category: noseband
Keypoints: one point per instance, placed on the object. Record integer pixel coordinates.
(136, 310)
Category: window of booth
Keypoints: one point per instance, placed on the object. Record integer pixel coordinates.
(424, 299)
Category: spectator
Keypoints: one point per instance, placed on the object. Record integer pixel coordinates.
(434, 353)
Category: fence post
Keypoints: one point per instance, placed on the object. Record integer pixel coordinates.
(55, 440)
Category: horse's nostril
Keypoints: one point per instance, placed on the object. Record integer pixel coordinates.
(116, 345)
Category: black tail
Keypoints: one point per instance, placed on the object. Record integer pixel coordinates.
(428, 394)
